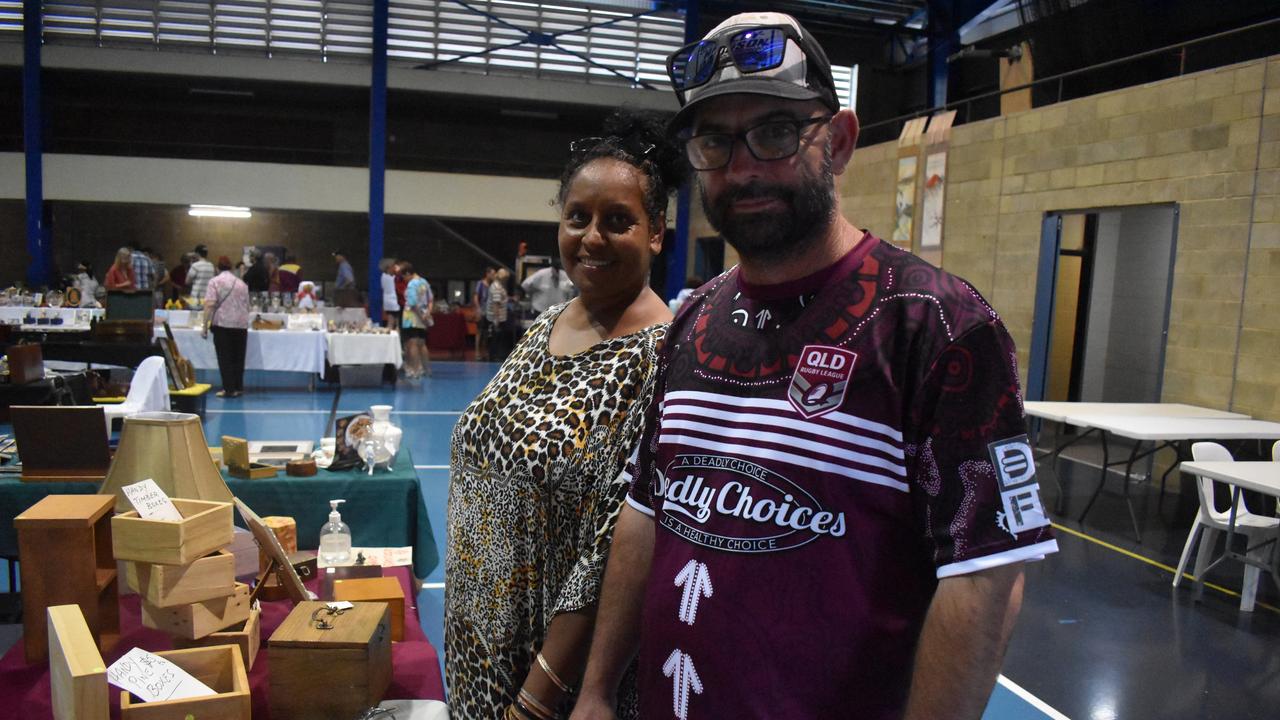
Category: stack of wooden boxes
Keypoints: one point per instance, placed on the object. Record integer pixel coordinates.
(186, 577)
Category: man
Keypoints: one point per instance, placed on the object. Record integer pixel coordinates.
(258, 276)
(346, 277)
(548, 287)
(199, 275)
(144, 272)
(833, 495)
(178, 277)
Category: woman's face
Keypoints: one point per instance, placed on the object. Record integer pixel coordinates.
(606, 239)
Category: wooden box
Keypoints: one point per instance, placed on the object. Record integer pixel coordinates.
(327, 674)
(381, 589)
(247, 636)
(204, 528)
(77, 675)
(64, 547)
(199, 619)
(210, 577)
(218, 667)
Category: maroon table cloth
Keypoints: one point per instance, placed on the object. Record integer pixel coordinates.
(415, 667)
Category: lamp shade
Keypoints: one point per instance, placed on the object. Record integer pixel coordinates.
(169, 448)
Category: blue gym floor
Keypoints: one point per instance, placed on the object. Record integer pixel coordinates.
(427, 409)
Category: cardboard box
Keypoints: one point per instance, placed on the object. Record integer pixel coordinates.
(326, 674)
(382, 589)
(221, 668)
(205, 527)
(208, 578)
(200, 619)
(247, 636)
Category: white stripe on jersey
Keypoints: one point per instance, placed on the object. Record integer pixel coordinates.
(639, 505)
(774, 422)
(829, 451)
(1026, 553)
(784, 405)
(747, 451)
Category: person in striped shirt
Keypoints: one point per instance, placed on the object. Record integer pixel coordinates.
(834, 496)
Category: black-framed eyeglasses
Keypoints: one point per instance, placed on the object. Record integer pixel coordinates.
(635, 148)
(772, 140)
(751, 50)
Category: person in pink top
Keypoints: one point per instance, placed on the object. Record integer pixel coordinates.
(226, 311)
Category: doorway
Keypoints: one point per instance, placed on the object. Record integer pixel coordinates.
(1103, 291)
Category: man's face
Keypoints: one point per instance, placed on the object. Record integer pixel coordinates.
(770, 209)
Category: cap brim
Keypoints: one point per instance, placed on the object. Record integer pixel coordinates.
(744, 86)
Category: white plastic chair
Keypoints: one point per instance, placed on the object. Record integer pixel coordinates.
(148, 392)
(1210, 523)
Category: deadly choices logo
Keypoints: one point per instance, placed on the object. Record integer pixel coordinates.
(734, 505)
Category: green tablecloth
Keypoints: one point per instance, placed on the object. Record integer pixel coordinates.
(383, 510)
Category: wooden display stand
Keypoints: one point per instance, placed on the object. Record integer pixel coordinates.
(205, 527)
(221, 668)
(247, 636)
(235, 454)
(76, 672)
(381, 589)
(325, 674)
(64, 547)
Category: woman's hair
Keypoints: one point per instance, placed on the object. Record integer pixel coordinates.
(406, 268)
(123, 255)
(640, 140)
(224, 263)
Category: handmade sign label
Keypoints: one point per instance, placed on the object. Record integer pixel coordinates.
(150, 501)
(151, 678)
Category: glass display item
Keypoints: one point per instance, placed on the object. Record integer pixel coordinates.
(54, 299)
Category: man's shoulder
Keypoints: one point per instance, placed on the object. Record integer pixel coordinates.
(906, 277)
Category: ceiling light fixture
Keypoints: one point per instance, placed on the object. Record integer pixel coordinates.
(221, 211)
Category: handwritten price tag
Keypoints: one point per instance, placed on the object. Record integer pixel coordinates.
(151, 678)
(150, 501)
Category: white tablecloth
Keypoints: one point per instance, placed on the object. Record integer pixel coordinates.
(281, 350)
(10, 314)
(364, 349)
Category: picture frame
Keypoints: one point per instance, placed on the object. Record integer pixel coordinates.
(279, 560)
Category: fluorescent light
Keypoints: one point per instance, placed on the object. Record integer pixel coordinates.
(222, 211)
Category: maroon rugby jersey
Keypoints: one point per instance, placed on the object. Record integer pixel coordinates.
(818, 455)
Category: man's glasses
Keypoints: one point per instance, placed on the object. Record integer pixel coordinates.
(773, 140)
(751, 51)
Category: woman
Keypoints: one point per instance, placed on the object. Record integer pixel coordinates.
(534, 475)
(414, 323)
(87, 284)
(495, 315)
(390, 301)
(226, 310)
(120, 274)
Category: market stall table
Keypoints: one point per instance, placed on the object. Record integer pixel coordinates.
(415, 667)
(278, 350)
(364, 349)
(385, 509)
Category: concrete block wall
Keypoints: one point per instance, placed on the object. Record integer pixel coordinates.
(1209, 142)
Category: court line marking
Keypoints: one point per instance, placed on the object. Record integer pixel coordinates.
(1156, 563)
(1030, 699)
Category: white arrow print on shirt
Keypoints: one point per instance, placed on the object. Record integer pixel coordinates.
(696, 581)
(679, 667)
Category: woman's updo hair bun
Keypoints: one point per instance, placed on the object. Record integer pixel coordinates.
(638, 138)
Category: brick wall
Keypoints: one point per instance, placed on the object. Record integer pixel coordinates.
(1209, 142)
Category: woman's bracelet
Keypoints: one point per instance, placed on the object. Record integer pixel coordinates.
(546, 668)
(530, 704)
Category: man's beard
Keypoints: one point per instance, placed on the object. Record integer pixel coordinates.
(774, 236)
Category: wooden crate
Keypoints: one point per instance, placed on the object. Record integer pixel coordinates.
(210, 577)
(221, 668)
(381, 589)
(77, 675)
(64, 548)
(247, 636)
(327, 674)
(199, 619)
(205, 527)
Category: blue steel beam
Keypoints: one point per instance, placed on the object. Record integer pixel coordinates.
(678, 258)
(377, 154)
(38, 241)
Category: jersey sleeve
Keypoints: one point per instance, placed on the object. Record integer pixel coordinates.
(974, 487)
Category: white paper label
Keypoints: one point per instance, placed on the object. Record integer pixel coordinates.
(150, 501)
(340, 605)
(151, 678)
(384, 557)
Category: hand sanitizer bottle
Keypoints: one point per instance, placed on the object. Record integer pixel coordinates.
(335, 538)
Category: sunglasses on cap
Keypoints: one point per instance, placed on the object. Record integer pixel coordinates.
(633, 147)
(751, 50)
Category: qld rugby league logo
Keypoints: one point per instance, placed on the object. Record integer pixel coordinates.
(820, 380)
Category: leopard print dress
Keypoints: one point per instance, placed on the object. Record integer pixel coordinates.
(534, 491)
